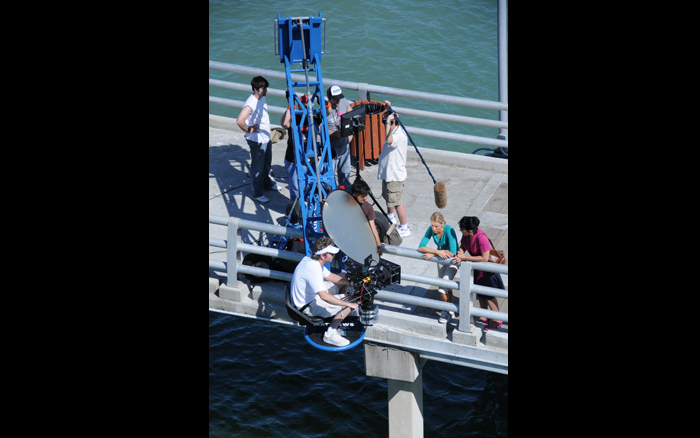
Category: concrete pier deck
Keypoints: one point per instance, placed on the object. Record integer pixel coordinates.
(475, 186)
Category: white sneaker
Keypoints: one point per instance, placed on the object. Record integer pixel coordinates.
(332, 337)
(445, 316)
(262, 199)
(404, 233)
(276, 188)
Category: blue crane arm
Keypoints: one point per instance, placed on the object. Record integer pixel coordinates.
(300, 41)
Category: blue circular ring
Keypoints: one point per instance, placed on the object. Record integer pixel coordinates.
(324, 348)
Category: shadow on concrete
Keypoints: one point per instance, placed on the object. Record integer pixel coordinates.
(229, 165)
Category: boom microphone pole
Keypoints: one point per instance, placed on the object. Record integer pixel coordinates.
(439, 187)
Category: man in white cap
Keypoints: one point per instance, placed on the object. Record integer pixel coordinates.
(340, 148)
(317, 291)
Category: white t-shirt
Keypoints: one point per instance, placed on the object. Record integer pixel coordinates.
(307, 281)
(258, 116)
(392, 160)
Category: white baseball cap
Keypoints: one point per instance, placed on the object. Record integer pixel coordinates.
(330, 248)
(336, 92)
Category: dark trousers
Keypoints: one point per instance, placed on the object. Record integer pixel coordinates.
(260, 163)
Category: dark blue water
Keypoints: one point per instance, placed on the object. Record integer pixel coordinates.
(266, 381)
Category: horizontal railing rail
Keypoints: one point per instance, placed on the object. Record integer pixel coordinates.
(362, 89)
(233, 266)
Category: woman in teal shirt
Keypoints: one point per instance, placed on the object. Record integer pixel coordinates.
(446, 240)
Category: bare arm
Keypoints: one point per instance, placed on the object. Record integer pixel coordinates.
(338, 280)
(286, 121)
(380, 248)
(240, 121)
(389, 129)
(325, 296)
(484, 257)
(442, 253)
(458, 257)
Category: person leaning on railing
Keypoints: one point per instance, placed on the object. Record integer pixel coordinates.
(475, 241)
(446, 240)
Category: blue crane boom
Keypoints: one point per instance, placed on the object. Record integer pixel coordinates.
(300, 42)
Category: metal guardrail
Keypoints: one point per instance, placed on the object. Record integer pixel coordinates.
(466, 287)
(362, 89)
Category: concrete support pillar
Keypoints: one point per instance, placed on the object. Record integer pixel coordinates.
(402, 369)
(406, 408)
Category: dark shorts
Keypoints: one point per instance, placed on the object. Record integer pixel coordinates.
(489, 279)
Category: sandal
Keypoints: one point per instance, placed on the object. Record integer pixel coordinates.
(496, 327)
(483, 320)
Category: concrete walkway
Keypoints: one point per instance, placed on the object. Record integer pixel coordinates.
(475, 186)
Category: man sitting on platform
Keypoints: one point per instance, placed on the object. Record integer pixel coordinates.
(316, 291)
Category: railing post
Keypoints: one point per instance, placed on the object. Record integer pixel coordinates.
(502, 65)
(232, 252)
(465, 297)
(362, 92)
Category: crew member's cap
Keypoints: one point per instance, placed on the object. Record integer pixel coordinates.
(336, 92)
(330, 248)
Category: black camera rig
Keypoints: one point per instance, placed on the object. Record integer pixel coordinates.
(353, 121)
(366, 280)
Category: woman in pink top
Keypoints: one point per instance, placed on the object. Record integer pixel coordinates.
(475, 243)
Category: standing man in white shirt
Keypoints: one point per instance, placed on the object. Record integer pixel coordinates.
(392, 171)
(255, 121)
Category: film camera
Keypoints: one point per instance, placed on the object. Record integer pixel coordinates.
(347, 225)
(367, 279)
